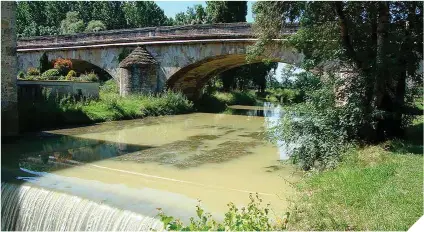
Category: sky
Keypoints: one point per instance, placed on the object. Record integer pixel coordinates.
(171, 8)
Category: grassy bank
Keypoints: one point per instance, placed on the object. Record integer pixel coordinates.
(218, 101)
(374, 188)
(51, 112)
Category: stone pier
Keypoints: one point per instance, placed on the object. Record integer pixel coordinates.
(9, 98)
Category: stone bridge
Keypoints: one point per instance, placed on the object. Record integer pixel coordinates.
(180, 58)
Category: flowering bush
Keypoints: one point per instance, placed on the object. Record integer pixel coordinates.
(63, 65)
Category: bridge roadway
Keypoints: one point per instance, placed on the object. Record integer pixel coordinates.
(225, 32)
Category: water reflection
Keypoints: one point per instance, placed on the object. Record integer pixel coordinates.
(272, 114)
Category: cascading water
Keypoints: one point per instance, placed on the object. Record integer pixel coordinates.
(30, 208)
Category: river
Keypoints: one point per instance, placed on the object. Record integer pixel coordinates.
(135, 167)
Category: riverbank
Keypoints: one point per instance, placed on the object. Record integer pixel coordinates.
(374, 188)
(50, 112)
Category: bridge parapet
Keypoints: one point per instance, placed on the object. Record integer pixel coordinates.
(168, 33)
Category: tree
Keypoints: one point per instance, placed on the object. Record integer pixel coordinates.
(143, 14)
(193, 15)
(383, 46)
(44, 63)
(111, 13)
(95, 25)
(72, 23)
(226, 11)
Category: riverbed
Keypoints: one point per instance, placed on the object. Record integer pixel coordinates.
(169, 163)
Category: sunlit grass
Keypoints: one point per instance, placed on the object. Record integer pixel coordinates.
(374, 188)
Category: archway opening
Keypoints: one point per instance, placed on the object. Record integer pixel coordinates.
(83, 67)
(192, 79)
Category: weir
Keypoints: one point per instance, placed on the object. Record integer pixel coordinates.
(27, 208)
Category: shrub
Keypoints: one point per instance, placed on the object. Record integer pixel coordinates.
(95, 25)
(91, 77)
(254, 217)
(51, 74)
(63, 65)
(21, 75)
(318, 132)
(44, 63)
(109, 86)
(33, 71)
(71, 75)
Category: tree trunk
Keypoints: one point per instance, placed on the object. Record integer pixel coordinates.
(382, 101)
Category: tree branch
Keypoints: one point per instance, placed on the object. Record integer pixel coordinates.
(344, 34)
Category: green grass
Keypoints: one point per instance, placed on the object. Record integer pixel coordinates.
(53, 112)
(218, 101)
(374, 188)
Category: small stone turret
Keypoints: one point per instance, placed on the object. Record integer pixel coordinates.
(138, 73)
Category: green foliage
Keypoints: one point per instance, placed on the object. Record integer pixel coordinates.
(51, 110)
(109, 86)
(226, 11)
(254, 217)
(72, 24)
(218, 101)
(285, 96)
(44, 63)
(71, 75)
(371, 189)
(91, 77)
(332, 36)
(95, 25)
(318, 131)
(51, 74)
(33, 71)
(143, 14)
(193, 15)
(111, 13)
(21, 75)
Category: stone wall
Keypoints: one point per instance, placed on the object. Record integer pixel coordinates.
(33, 89)
(9, 100)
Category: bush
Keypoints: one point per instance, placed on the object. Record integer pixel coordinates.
(91, 77)
(33, 71)
(109, 86)
(63, 65)
(95, 25)
(44, 63)
(71, 75)
(254, 217)
(317, 132)
(21, 75)
(51, 74)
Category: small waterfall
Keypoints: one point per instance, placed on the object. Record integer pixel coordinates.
(30, 208)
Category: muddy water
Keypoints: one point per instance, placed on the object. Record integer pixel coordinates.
(163, 162)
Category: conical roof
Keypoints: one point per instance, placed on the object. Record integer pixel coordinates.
(140, 56)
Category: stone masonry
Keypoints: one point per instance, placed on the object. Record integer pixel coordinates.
(9, 99)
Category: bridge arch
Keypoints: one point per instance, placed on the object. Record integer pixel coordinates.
(191, 78)
(102, 61)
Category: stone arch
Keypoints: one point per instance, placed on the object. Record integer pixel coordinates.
(83, 66)
(191, 78)
(105, 59)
